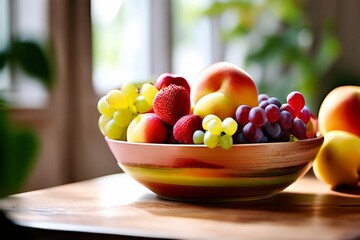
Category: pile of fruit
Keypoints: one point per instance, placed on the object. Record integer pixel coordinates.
(221, 108)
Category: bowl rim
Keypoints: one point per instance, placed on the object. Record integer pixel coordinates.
(309, 140)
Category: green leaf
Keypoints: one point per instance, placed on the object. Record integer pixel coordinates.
(18, 151)
(328, 51)
(33, 60)
(26, 146)
(218, 8)
(4, 151)
(3, 59)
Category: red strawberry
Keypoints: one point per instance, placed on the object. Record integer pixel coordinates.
(185, 127)
(171, 103)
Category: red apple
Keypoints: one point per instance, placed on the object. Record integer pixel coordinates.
(166, 79)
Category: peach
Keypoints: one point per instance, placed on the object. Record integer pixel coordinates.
(220, 88)
(340, 110)
(147, 128)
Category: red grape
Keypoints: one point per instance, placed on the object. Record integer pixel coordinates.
(288, 108)
(272, 129)
(298, 129)
(257, 116)
(296, 100)
(274, 100)
(252, 133)
(272, 113)
(286, 120)
(242, 114)
(272, 121)
(263, 104)
(304, 114)
(262, 97)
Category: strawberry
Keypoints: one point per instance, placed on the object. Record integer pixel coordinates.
(171, 103)
(185, 127)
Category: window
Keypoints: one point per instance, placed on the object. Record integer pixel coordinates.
(4, 40)
(23, 20)
(138, 40)
(194, 45)
(271, 39)
(121, 34)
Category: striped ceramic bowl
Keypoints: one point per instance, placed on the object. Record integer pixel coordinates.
(199, 174)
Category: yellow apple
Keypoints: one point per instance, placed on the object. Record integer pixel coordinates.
(338, 160)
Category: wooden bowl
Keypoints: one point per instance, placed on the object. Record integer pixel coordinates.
(196, 173)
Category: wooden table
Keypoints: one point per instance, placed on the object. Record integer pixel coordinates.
(116, 206)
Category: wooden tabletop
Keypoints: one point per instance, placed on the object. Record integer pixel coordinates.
(117, 205)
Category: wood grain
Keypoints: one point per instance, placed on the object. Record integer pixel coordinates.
(118, 205)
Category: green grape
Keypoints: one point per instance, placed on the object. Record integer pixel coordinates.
(133, 109)
(123, 117)
(130, 91)
(104, 108)
(103, 121)
(117, 99)
(211, 140)
(215, 126)
(124, 135)
(142, 105)
(113, 131)
(229, 126)
(198, 137)
(207, 119)
(226, 141)
(149, 91)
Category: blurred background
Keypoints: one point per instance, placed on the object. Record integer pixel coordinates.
(57, 58)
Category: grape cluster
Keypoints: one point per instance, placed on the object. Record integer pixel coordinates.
(120, 106)
(217, 132)
(272, 121)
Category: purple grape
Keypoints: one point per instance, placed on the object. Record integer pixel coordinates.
(284, 136)
(242, 114)
(252, 133)
(264, 139)
(286, 120)
(274, 100)
(298, 129)
(288, 108)
(272, 113)
(263, 104)
(239, 138)
(262, 97)
(304, 114)
(257, 116)
(272, 130)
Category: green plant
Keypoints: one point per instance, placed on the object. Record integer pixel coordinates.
(18, 145)
(282, 44)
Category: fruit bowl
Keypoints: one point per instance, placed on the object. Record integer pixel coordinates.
(196, 173)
